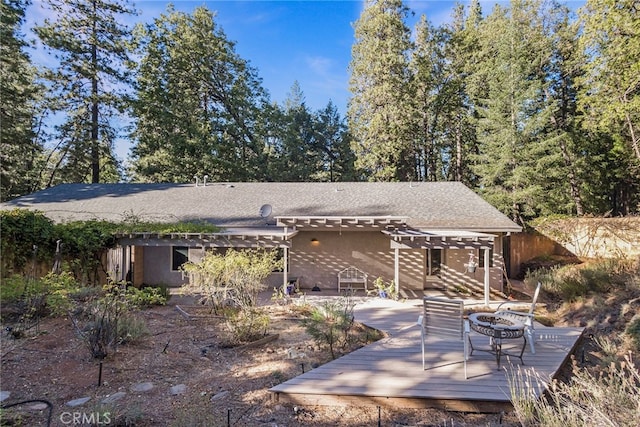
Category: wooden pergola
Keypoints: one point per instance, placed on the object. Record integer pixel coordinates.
(280, 235)
(440, 239)
(338, 222)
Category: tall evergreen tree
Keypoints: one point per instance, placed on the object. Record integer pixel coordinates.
(19, 146)
(308, 146)
(609, 98)
(334, 142)
(563, 171)
(199, 105)
(88, 83)
(513, 116)
(294, 149)
(611, 84)
(429, 103)
(379, 86)
(460, 120)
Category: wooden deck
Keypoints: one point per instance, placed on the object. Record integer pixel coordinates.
(389, 372)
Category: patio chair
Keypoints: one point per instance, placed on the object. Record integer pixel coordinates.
(444, 317)
(524, 317)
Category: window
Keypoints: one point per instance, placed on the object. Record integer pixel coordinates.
(479, 254)
(434, 260)
(179, 255)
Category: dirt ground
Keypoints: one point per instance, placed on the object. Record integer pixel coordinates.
(182, 374)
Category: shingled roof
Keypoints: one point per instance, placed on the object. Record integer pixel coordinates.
(433, 205)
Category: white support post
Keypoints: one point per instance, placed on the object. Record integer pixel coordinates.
(486, 278)
(285, 268)
(396, 270)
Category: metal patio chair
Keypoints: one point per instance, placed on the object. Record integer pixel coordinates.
(444, 317)
(522, 316)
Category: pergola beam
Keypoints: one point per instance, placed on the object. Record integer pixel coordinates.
(375, 222)
(441, 239)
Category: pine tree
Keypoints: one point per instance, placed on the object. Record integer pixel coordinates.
(563, 171)
(428, 85)
(19, 146)
(199, 105)
(334, 142)
(515, 52)
(609, 99)
(460, 120)
(379, 85)
(295, 154)
(88, 83)
(611, 85)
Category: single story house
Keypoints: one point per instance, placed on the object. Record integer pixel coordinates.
(419, 234)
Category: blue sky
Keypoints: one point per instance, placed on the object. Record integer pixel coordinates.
(305, 41)
(286, 41)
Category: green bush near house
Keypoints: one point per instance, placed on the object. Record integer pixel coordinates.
(146, 297)
(55, 292)
(247, 325)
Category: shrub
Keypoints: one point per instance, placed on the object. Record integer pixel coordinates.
(59, 289)
(633, 331)
(31, 300)
(109, 322)
(331, 323)
(571, 282)
(382, 289)
(145, 297)
(235, 277)
(18, 286)
(131, 328)
(100, 334)
(610, 398)
(248, 324)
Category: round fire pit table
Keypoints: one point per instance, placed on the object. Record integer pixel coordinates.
(497, 328)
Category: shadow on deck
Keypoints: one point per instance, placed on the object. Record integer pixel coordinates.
(389, 372)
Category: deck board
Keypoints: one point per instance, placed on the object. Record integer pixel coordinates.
(389, 372)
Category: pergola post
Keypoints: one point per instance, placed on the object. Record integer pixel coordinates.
(285, 269)
(396, 270)
(486, 277)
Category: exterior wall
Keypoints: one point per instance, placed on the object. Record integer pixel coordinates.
(455, 273)
(157, 266)
(319, 263)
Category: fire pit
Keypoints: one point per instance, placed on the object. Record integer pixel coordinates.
(497, 328)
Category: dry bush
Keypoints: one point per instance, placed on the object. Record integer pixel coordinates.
(607, 397)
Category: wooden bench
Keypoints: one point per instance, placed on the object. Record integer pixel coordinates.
(352, 277)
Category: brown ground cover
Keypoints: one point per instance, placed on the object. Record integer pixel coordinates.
(221, 385)
(199, 380)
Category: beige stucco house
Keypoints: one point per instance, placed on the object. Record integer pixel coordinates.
(420, 235)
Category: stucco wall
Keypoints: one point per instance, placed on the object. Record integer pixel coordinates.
(454, 272)
(316, 258)
(319, 263)
(157, 266)
(595, 237)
